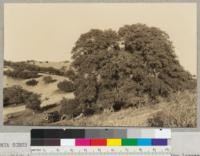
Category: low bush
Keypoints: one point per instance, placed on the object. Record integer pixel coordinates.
(33, 102)
(24, 66)
(179, 112)
(49, 79)
(66, 86)
(17, 95)
(70, 107)
(14, 95)
(32, 82)
(51, 70)
(22, 74)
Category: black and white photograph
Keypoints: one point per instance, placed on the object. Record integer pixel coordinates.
(100, 64)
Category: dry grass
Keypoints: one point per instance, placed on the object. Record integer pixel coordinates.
(125, 117)
(49, 92)
(56, 65)
(180, 111)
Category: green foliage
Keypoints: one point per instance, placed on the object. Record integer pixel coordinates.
(33, 102)
(30, 68)
(88, 87)
(32, 82)
(14, 95)
(111, 68)
(25, 74)
(70, 74)
(48, 79)
(17, 95)
(70, 107)
(94, 40)
(66, 86)
(156, 87)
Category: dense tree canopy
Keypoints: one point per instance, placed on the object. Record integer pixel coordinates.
(114, 68)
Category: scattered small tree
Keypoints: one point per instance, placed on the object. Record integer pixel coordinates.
(21, 74)
(70, 107)
(32, 82)
(33, 102)
(66, 86)
(15, 95)
(29, 70)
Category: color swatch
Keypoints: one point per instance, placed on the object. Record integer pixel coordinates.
(100, 142)
(81, 137)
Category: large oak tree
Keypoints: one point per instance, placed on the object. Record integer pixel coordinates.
(116, 69)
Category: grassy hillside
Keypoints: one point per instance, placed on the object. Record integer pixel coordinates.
(46, 64)
(49, 92)
(179, 110)
(164, 114)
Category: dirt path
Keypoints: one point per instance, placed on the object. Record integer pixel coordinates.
(15, 109)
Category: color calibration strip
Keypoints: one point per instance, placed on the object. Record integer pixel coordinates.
(100, 142)
(117, 142)
(99, 137)
(105, 142)
(101, 133)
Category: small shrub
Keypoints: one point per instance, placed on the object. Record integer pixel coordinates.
(17, 95)
(49, 79)
(52, 116)
(66, 86)
(14, 95)
(70, 107)
(156, 120)
(25, 74)
(24, 66)
(32, 82)
(33, 102)
(89, 111)
(51, 70)
(179, 112)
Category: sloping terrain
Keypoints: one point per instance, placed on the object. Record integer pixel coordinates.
(56, 65)
(171, 112)
(50, 94)
(177, 111)
(126, 117)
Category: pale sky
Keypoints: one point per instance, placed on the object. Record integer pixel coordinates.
(49, 31)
